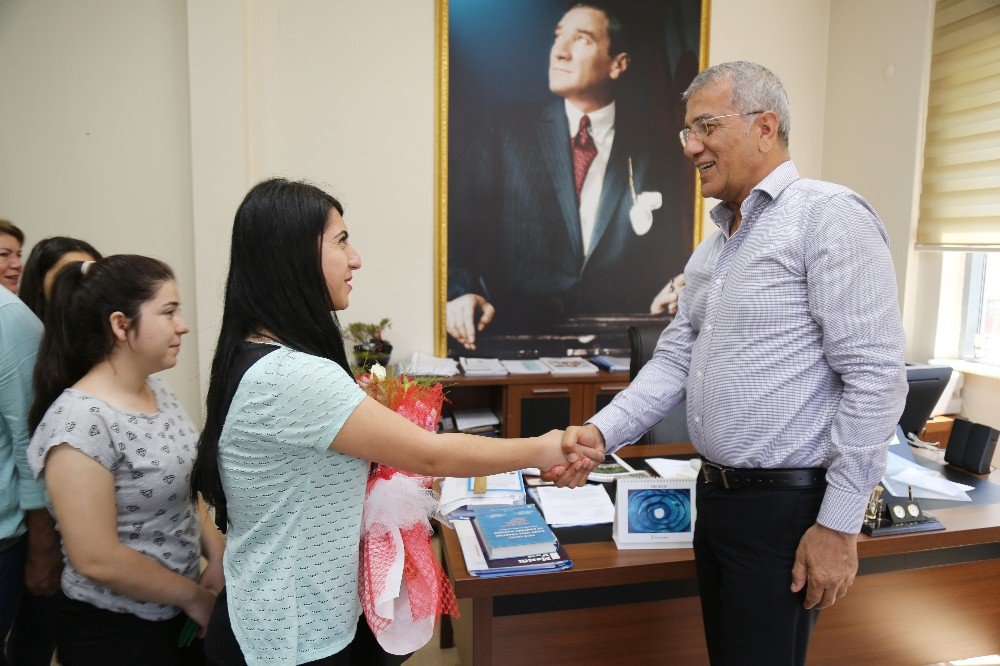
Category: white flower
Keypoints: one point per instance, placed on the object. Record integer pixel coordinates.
(378, 372)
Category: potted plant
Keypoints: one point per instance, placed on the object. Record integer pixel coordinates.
(370, 347)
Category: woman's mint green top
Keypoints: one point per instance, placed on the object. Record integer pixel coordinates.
(294, 507)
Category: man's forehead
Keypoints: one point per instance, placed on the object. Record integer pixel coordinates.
(712, 100)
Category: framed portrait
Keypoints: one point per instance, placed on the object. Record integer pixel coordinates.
(566, 209)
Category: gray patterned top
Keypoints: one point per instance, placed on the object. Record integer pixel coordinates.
(150, 456)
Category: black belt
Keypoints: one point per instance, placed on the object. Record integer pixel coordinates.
(739, 478)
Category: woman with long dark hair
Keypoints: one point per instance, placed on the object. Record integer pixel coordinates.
(116, 450)
(46, 258)
(288, 438)
(32, 638)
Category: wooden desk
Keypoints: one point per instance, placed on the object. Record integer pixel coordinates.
(918, 599)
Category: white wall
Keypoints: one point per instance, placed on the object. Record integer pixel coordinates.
(110, 135)
(94, 138)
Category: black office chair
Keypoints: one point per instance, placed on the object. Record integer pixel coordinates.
(673, 427)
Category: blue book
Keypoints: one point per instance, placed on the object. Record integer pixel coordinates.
(513, 531)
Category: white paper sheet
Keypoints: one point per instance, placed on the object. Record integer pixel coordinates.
(669, 468)
(586, 505)
(927, 484)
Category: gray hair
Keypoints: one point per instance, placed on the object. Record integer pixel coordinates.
(755, 87)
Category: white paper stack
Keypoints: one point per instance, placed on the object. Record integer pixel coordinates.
(926, 483)
(424, 365)
(564, 507)
(471, 420)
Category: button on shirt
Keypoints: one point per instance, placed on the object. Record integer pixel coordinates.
(788, 343)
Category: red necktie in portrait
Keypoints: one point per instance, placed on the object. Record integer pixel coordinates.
(584, 152)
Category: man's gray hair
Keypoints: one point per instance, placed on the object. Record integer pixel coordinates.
(755, 88)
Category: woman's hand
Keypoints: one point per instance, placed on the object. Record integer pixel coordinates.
(213, 577)
(200, 606)
(581, 459)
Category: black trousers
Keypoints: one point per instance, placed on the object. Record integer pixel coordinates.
(744, 547)
(222, 649)
(87, 635)
(33, 636)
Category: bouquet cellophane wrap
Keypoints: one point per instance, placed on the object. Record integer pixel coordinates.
(402, 586)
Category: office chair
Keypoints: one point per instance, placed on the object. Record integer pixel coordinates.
(673, 427)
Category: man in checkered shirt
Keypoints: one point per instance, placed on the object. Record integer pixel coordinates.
(789, 347)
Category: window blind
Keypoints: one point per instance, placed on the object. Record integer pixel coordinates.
(960, 197)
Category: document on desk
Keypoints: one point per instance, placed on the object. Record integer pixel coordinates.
(670, 468)
(566, 507)
(926, 484)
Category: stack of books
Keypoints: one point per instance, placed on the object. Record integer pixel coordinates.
(526, 367)
(459, 498)
(569, 365)
(509, 541)
(481, 367)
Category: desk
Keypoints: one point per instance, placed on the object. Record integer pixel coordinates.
(641, 606)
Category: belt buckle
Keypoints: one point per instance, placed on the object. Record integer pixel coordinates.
(722, 472)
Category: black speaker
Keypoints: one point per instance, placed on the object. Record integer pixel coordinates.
(971, 446)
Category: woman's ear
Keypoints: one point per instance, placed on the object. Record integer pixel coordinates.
(119, 326)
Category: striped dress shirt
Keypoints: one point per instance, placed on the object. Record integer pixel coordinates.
(788, 344)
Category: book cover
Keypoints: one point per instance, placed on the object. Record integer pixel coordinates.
(611, 363)
(526, 367)
(513, 531)
(569, 365)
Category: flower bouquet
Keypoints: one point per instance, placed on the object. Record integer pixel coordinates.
(402, 586)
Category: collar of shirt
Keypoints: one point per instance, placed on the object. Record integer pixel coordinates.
(602, 122)
(773, 184)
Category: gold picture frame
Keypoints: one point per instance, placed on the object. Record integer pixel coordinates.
(441, 156)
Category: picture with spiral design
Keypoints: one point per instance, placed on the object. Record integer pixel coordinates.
(659, 510)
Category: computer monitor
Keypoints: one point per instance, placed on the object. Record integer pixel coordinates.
(927, 383)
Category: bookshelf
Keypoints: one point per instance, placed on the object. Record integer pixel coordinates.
(530, 405)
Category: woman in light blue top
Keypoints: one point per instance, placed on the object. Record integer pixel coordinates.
(289, 436)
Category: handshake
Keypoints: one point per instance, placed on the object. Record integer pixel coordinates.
(573, 454)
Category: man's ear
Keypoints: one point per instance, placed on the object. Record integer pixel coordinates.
(119, 325)
(619, 64)
(768, 124)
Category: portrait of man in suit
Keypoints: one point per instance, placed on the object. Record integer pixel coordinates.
(571, 215)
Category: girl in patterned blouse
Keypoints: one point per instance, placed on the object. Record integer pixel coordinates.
(115, 450)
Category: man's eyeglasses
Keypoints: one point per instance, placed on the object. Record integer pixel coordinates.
(703, 127)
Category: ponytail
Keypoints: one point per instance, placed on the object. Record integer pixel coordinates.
(78, 333)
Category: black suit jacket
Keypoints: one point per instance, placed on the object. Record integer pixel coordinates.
(514, 224)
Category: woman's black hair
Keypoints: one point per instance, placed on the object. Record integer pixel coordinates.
(275, 286)
(78, 332)
(45, 255)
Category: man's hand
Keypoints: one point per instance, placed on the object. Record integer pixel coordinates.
(573, 461)
(669, 297)
(586, 439)
(828, 560)
(44, 564)
(461, 314)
